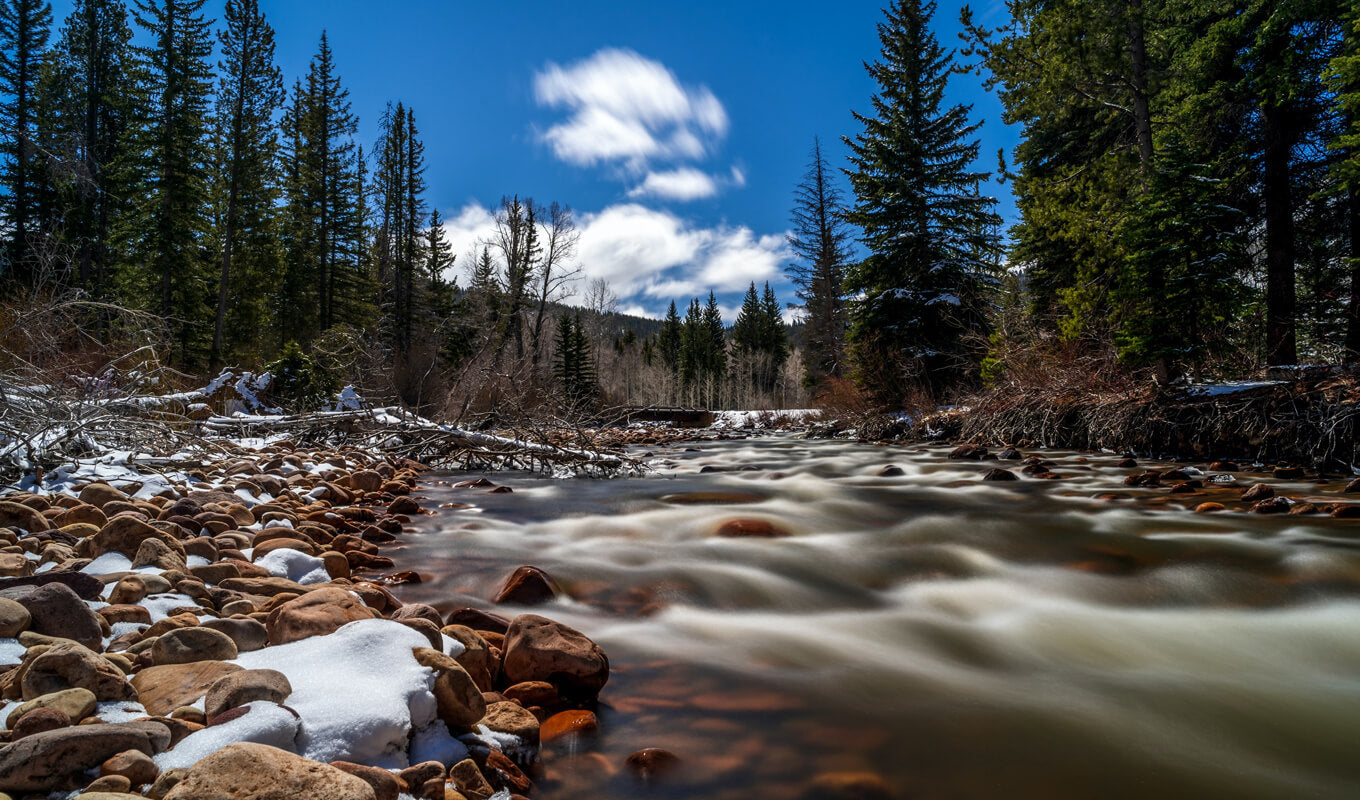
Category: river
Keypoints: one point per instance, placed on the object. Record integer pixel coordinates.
(952, 638)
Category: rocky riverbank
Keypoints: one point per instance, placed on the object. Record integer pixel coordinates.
(231, 633)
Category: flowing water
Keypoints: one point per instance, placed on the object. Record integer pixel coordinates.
(958, 639)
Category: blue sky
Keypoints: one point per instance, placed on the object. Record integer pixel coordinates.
(675, 131)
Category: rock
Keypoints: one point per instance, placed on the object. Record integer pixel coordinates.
(848, 786)
(404, 505)
(1352, 488)
(1271, 505)
(476, 657)
(468, 778)
(247, 771)
(76, 704)
(39, 720)
(248, 634)
(108, 788)
(538, 649)
(129, 590)
(418, 775)
(533, 693)
(163, 689)
(478, 620)
(503, 774)
(82, 514)
(512, 718)
(1209, 508)
(1345, 511)
(750, 529)
(457, 696)
(1146, 479)
(158, 554)
(571, 724)
(71, 665)
(125, 535)
(316, 613)
(15, 565)
(1000, 475)
(527, 586)
(134, 765)
(43, 762)
(1257, 491)
(264, 587)
(427, 629)
(365, 480)
(891, 471)
(300, 545)
(1010, 454)
(125, 612)
(187, 645)
(14, 618)
(337, 566)
(651, 763)
(713, 498)
(384, 783)
(98, 494)
(18, 515)
(968, 452)
(56, 610)
(238, 688)
(1223, 466)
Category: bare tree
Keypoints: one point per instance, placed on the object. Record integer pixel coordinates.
(556, 272)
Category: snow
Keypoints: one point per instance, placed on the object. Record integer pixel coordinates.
(359, 692)
(294, 565)
(265, 723)
(11, 652)
(723, 420)
(1227, 387)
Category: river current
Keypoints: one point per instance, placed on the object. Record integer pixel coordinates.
(951, 638)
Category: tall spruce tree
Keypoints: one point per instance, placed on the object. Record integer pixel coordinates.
(249, 93)
(168, 237)
(931, 234)
(400, 185)
(24, 29)
(821, 240)
(93, 103)
(671, 339)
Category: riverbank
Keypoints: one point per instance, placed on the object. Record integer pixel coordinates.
(233, 627)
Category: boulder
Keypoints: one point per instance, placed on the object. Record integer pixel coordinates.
(81, 514)
(476, 657)
(385, 784)
(568, 725)
(316, 613)
(246, 686)
(125, 535)
(248, 771)
(419, 611)
(187, 645)
(77, 704)
(14, 618)
(163, 689)
(248, 634)
(459, 700)
(98, 494)
(158, 554)
(45, 761)
(539, 649)
(18, 515)
(134, 765)
(56, 610)
(129, 590)
(1258, 491)
(512, 718)
(39, 720)
(70, 665)
(16, 565)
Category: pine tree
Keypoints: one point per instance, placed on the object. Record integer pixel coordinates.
(573, 366)
(250, 91)
(517, 240)
(92, 100)
(24, 29)
(400, 187)
(671, 340)
(168, 244)
(821, 240)
(930, 232)
(1343, 74)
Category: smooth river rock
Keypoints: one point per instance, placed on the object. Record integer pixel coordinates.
(259, 772)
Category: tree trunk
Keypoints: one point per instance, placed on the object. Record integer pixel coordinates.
(1142, 114)
(1351, 355)
(1279, 134)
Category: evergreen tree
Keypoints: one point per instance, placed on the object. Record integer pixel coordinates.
(167, 238)
(24, 29)
(92, 101)
(774, 334)
(574, 367)
(930, 233)
(399, 182)
(249, 93)
(671, 340)
(517, 240)
(1343, 74)
(821, 240)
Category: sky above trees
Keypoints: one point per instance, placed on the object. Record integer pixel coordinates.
(676, 132)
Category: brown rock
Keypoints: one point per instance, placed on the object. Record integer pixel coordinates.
(14, 618)
(512, 718)
(999, 474)
(533, 693)
(270, 546)
(76, 704)
(238, 688)
(1271, 505)
(158, 554)
(457, 696)
(652, 762)
(502, 773)
(1352, 488)
(215, 573)
(248, 771)
(108, 787)
(1208, 508)
(385, 784)
(44, 761)
(403, 505)
(527, 586)
(315, 614)
(71, 665)
(125, 613)
(538, 649)
(420, 774)
(97, 494)
(337, 566)
(419, 611)
(468, 778)
(39, 720)
(968, 452)
(570, 724)
(187, 645)
(365, 480)
(18, 515)
(476, 657)
(264, 587)
(129, 590)
(163, 689)
(125, 535)
(15, 565)
(248, 634)
(478, 620)
(1258, 491)
(134, 765)
(750, 528)
(56, 610)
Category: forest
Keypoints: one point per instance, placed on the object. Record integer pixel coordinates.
(1188, 188)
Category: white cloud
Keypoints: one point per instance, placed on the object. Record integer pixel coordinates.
(650, 255)
(685, 183)
(627, 109)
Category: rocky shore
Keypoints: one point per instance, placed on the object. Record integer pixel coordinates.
(231, 634)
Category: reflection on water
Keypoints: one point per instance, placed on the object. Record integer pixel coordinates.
(960, 639)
